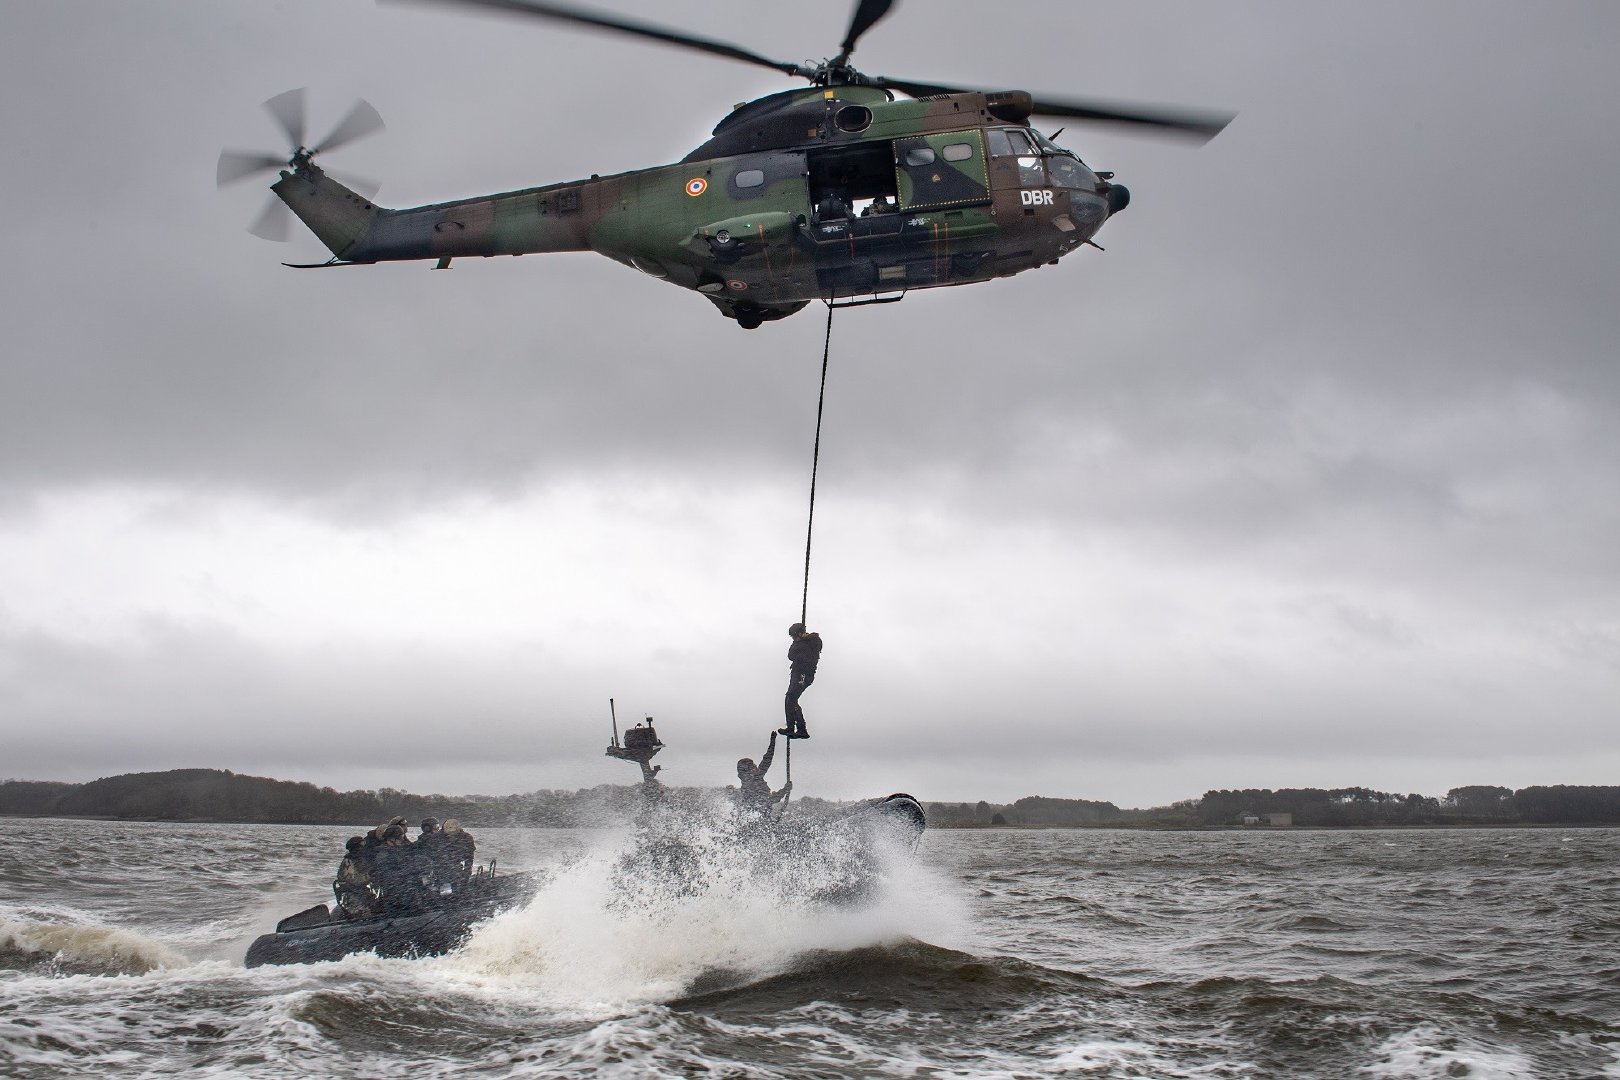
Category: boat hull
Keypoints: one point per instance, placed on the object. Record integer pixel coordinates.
(311, 938)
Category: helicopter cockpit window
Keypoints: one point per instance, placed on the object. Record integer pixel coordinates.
(1068, 172)
(995, 140)
(956, 151)
(920, 155)
(1047, 145)
(1031, 173)
(1019, 141)
(751, 178)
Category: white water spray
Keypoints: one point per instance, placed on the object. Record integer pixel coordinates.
(696, 901)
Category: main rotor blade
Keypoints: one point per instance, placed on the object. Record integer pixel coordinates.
(288, 110)
(273, 222)
(866, 15)
(566, 13)
(1198, 124)
(237, 165)
(362, 120)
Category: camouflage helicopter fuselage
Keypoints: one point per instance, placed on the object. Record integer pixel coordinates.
(832, 193)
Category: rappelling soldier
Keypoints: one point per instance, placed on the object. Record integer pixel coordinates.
(803, 655)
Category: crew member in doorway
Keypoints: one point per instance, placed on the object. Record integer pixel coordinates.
(803, 656)
(754, 791)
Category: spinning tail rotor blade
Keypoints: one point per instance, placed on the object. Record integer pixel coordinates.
(235, 165)
(288, 110)
(274, 221)
(362, 120)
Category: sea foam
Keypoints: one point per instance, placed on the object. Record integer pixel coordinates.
(696, 902)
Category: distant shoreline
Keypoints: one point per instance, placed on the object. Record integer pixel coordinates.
(223, 797)
(1119, 826)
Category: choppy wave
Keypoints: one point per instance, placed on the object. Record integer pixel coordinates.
(44, 945)
(1002, 954)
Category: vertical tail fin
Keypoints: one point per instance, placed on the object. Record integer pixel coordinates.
(339, 217)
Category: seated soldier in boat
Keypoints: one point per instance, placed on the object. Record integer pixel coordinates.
(401, 874)
(458, 855)
(353, 885)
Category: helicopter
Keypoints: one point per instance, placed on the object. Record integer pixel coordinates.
(842, 192)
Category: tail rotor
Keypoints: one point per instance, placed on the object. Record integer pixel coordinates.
(289, 112)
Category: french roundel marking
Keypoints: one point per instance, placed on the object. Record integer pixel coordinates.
(736, 285)
(697, 186)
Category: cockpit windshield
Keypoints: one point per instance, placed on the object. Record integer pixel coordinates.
(1062, 168)
(1065, 166)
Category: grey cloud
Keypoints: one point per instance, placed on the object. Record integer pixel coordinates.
(1360, 347)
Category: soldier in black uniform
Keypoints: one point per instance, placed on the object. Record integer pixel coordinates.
(431, 844)
(803, 656)
(402, 873)
(459, 853)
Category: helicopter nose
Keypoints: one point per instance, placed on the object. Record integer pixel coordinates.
(1119, 197)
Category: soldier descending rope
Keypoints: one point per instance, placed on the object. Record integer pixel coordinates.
(805, 652)
(803, 655)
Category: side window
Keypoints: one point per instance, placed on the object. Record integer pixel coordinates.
(750, 178)
(1020, 143)
(996, 140)
(947, 168)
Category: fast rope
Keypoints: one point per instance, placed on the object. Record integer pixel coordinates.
(815, 464)
(810, 525)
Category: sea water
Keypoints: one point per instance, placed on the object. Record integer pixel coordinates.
(1006, 953)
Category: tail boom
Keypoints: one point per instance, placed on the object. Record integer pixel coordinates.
(511, 223)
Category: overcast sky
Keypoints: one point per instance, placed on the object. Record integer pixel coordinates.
(1311, 479)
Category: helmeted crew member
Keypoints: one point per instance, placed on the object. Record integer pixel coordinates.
(402, 873)
(803, 656)
(380, 831)
(431, 842)
(353, 885)
(458, 852)
(754, 791)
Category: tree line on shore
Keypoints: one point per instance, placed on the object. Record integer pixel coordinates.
(224, 796)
